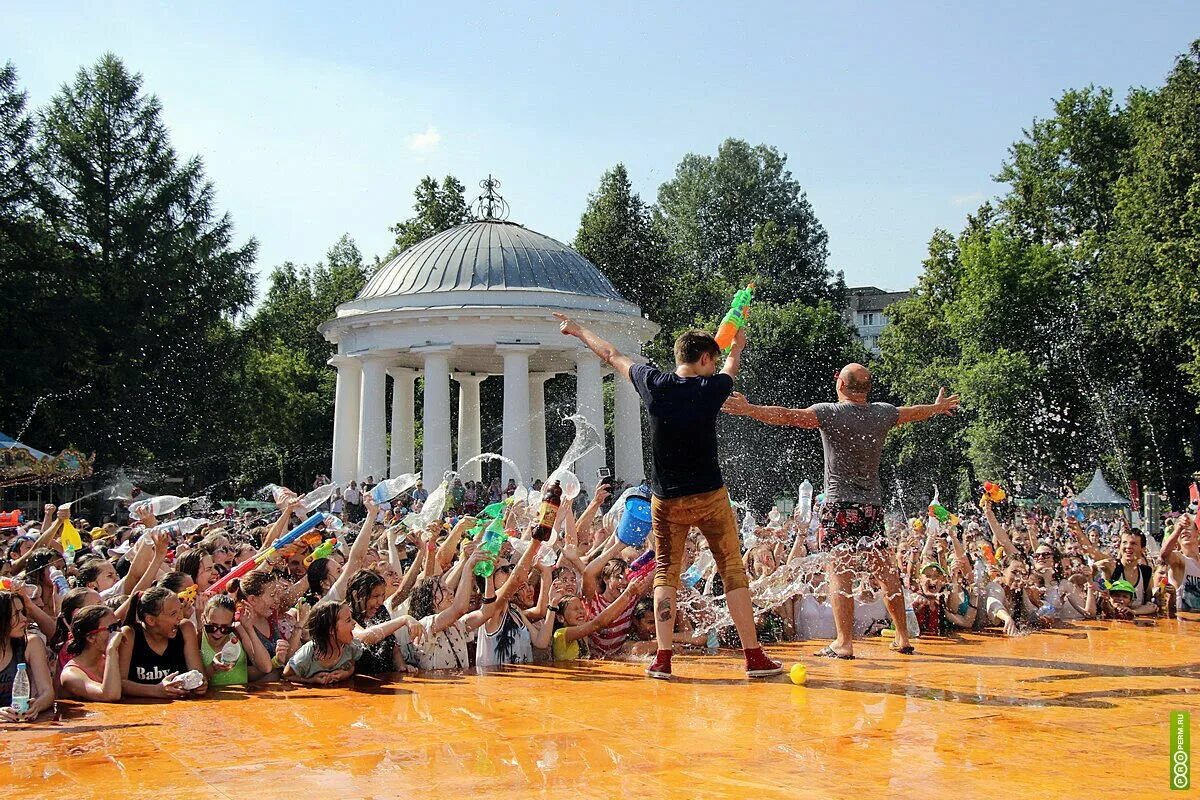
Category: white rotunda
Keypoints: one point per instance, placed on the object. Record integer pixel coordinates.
(468, 304)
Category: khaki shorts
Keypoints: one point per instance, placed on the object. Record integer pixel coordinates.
(711, 513)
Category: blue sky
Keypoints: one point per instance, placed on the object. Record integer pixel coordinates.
(315, 120)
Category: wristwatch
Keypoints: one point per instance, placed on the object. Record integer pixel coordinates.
(491, 599)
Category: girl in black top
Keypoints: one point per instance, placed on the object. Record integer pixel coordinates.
(158, 645)
(374, 626)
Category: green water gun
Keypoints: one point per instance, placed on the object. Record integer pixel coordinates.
(323, 550)
(735, 317)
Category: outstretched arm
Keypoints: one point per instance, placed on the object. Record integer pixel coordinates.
(943, 405)
(609, 354)
(738, 405)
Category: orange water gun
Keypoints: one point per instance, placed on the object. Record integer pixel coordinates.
(735, 318)
(993, 492)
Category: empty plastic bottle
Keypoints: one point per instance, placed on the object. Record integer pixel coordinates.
(318, 497)
(910, 616)
(163, 504)
(182, 526)
(392, 487)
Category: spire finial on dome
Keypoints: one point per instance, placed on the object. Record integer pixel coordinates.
(491, 205)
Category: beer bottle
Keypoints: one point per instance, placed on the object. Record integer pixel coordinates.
(551, 500)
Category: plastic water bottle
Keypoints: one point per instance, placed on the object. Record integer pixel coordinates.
(163, 504)
(20, 690)
(231, 652)
(712, 643)
(318, 497)
(59, 580)
(386, 490)
(183, 526)
(981, 576)
(1050, 606)
(69, 554)
(806, 497)
(910, 617)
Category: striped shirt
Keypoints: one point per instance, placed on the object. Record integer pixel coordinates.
(606, 641)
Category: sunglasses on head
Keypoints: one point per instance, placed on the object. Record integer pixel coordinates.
(218, 630)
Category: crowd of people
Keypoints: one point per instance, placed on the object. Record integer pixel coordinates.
(345, 581)
(133, 613)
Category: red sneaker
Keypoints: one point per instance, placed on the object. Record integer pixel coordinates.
(661, 668)
(758, 665)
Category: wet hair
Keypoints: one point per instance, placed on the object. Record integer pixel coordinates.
(7, 601)
(89, 572)
(221, 601)
(420, 602)
(322, 626)
(693, 344)
(643, 606)
(189, 563)
(316, 574)
(115, 602)
(560, 621)
(72, 601)
(38, 561)
(175, 581)
(362, 583)
(254, 584)
(85, 622)
(610, 570)
(147, 604)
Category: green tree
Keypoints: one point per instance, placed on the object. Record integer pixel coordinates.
(618, 234)
(153, 277)
(741, 215)
(438, 208)
(33, 281)
(286, 368)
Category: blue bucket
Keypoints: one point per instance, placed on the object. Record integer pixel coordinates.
(635, 522)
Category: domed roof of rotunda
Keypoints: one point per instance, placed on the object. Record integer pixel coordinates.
(489, 255)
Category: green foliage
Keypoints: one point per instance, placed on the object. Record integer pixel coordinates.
(438, 208)
(618, 234)
(1067, 319)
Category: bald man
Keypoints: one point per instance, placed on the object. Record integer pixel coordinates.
(852, 435)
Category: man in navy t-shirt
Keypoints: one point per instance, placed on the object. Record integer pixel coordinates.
(686, 482)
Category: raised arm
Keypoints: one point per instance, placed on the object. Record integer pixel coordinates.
(999, 536)
(733, 361)
(445, 553)
(738, 405)
(607, 353)
(591, 585)
(943, 405)
(358, 553)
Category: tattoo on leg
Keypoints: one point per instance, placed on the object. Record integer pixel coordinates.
(664, 611)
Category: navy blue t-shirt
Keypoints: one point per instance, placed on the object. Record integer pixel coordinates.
(683, 429)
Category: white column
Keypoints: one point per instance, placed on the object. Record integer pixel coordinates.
(469, 438)
(516, 411)
(589, 403)
(345, 418)
(372, 431)
(537, 426)
(435, 456)
(403, 421)
(628, 463)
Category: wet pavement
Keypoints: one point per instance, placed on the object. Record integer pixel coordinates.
(1065, 713)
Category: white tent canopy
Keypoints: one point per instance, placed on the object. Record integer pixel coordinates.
(1099, 493)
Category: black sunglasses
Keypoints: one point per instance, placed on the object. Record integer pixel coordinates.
(218, 629)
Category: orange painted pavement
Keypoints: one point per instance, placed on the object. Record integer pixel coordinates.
(1070, 713)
